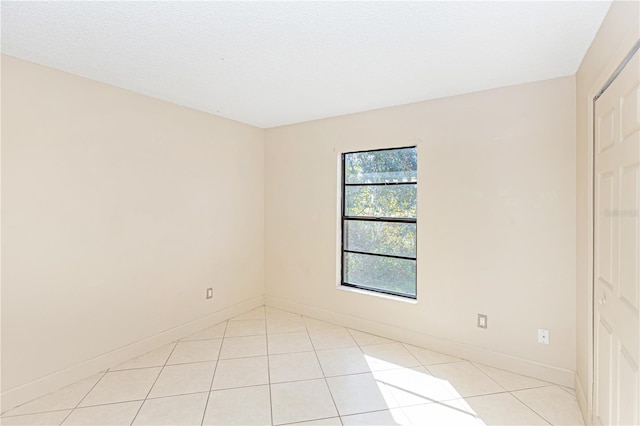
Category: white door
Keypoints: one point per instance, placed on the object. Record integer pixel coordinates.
(616, 250)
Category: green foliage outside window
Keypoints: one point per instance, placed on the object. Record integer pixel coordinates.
(380, 210)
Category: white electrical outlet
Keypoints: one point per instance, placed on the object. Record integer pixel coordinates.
(482, 321)
(543, 336)
(210, 293)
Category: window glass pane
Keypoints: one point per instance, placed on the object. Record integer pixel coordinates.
(382, 273)
(397, 165)
(381, 201)
(397, 239)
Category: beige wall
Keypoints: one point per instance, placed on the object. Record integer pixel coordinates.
(618, 33)
(118, 212)
(496, 212)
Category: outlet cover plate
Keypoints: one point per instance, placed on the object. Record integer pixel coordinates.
(210, 293)
(543, 336)
(482, 321)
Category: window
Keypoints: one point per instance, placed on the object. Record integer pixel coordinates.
(379, 205)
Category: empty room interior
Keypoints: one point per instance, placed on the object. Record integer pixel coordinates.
(328, 213)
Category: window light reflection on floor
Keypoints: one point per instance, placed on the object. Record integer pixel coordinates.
(421, 395)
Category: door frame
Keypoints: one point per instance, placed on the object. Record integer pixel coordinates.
(603, 82)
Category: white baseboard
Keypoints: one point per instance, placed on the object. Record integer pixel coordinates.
(522, 366)
(581, 396)
(29, 391)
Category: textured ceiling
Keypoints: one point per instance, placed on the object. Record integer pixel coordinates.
(275, 63)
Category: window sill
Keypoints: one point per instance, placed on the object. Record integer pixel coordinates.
(376, 294)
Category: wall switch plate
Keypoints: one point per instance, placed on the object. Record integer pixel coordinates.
(543, 336)
(210, 293)
(482, 321)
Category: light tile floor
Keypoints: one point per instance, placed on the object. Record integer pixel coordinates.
(269, 366)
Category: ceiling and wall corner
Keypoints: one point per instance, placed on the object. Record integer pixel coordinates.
(275, 63)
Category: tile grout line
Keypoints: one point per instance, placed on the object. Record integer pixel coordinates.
(5, 416)
(215, 369)
(475, 364)
(326, 382)
(85, 395)
(266, 331)
(371, 372)
(531, 387)
(488, 377)
(35, 413)
(153, 398)
(190, 338)
(406, 346)
(314, 420)
(175, 344)
(567, 390)
(170, 365)
(245, 333)
(527, 405)
(399, 406)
